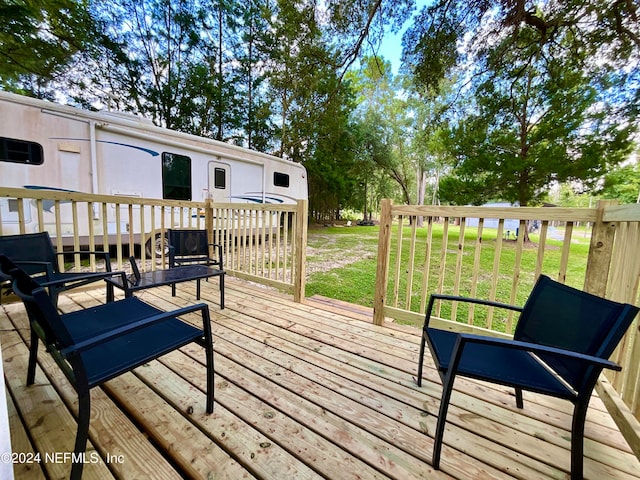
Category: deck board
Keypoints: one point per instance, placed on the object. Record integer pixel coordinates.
(305, 391)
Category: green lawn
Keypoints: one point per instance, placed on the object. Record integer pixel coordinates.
(347, 259)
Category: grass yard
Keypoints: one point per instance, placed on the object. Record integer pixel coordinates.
(341, 263)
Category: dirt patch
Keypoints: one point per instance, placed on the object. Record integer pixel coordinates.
(328, 251)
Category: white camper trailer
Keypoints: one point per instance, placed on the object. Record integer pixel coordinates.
(44, 145)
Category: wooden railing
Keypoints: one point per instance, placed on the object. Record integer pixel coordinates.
(262, 243)
(497, 253)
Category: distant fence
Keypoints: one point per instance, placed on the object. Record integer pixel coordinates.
(474, 251)
(263, 243)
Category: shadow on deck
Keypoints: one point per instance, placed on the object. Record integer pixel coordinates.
(302, 391)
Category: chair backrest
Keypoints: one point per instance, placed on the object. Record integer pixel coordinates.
(560, 316)
(189, 242)
(29, 247)
(190, 246)
(39, 307)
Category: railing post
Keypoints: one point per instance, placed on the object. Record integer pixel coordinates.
(208, 220)
(600, 252)
(382, 269)
(300, 270)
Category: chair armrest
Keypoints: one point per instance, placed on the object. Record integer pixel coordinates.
(105, 255)
(465, 338)
(479, 301)
(110, 273)
(118, 332)
(47, 267)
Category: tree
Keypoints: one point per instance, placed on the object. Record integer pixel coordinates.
(330, 159)
(38, 41)
(623, 184)
(433, 158)
(357, 27)
(147, 45)
(385, 119)
(598, 36)
(256, 107)
(219, 49)
(544, 91)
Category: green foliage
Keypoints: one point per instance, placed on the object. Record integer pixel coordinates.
(388, 121)
(623, 184)
(168, 60)
(546, 92)
(529, 131)
(356, 27)
(38, 40)
(551, 91)
(577, 31)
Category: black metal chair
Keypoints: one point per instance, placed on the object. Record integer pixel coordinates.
(189, 247)
(34, 253)
(192, 247)
(562, 342)
(94, 345)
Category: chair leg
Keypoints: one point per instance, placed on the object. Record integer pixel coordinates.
(519, 400)
(421, 359)
(84, 414)
(221, 292)
(210, 379)
(447, 388)
(577, 439)
(33, 357)
(110, 293)
(208, 346)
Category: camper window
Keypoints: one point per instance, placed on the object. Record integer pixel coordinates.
(219, 178)
(20, 151)
(281, 179)
(176, 176)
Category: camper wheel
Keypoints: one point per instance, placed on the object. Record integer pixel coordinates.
(155, 246)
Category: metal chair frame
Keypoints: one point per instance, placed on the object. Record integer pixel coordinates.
(92, 346)
(534, 360)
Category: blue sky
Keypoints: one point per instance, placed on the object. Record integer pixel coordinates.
(391, 47)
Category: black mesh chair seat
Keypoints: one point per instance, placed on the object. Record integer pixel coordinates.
(498, 364)
(192, 247)
(189, 247)
(107, 359)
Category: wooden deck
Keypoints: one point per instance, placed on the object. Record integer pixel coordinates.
(302, 391)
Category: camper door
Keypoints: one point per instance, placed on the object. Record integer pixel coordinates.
(219, 182)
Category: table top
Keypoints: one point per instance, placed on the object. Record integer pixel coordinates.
(166, 277)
